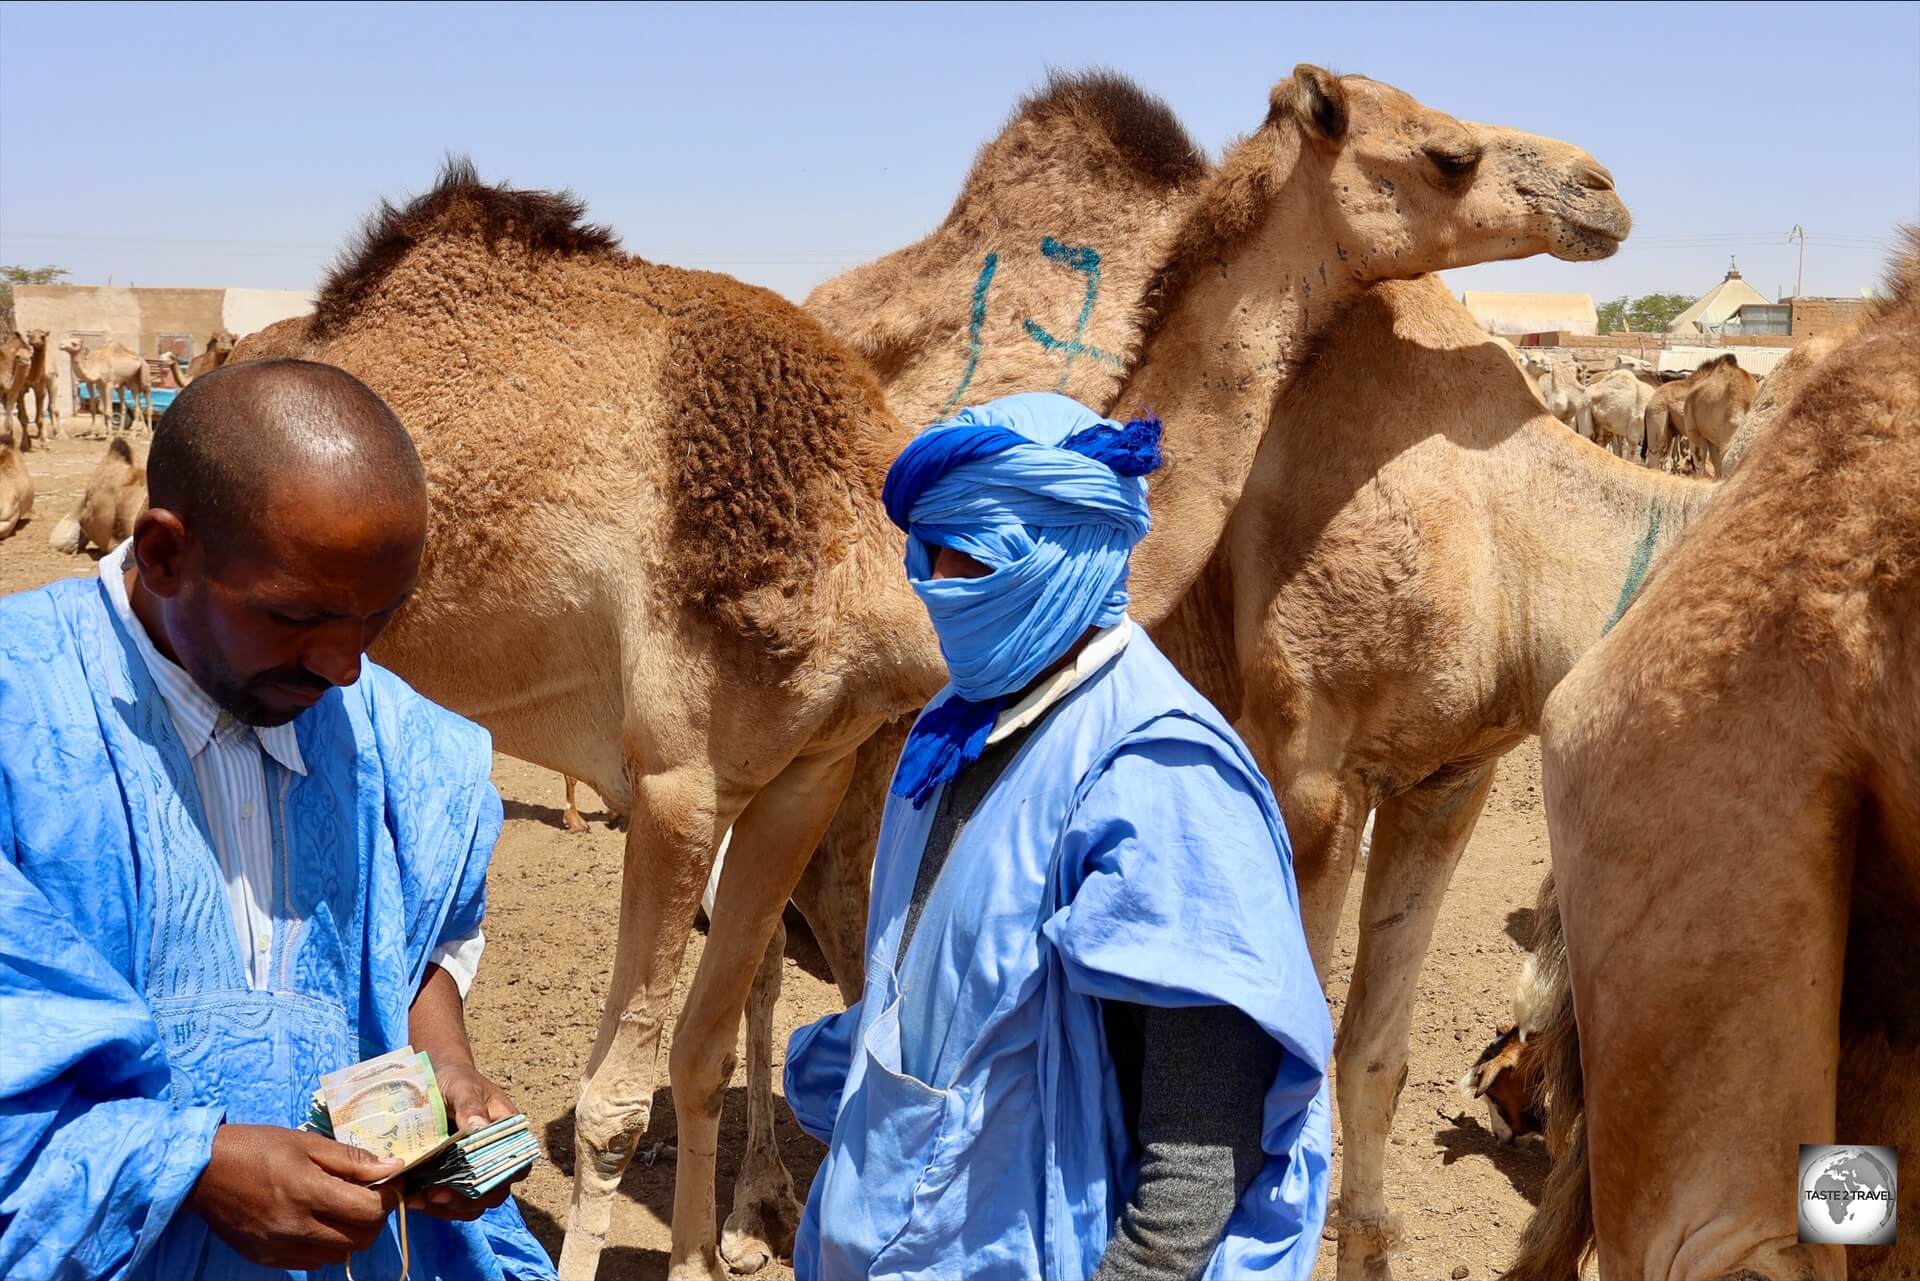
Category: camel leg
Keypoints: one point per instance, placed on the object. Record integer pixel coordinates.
(674, 829)
(766, 1211)
(1324, 813)
(771, 844)
(1417, 840)
(832, 894)
(571, 820)
(1707, 941)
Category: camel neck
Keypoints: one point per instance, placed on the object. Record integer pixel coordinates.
(1211, 371)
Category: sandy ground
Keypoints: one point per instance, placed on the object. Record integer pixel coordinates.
(550, 936)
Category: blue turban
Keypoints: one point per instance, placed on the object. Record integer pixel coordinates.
(1049, 496)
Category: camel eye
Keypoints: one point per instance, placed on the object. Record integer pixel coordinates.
(1454, 163)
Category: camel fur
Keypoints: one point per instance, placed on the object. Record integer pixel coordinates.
(116, 493)
(1740, 969)
(16, 488)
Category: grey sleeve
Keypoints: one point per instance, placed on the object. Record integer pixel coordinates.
(1203, 1078)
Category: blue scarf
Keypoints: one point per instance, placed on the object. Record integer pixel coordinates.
(1049, 496)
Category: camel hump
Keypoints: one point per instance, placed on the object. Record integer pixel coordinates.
(118, 448)
(549, 222)
(1140, 126)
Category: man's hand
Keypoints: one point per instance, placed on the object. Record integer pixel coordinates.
(290, 1199)
(472, 1101)
(437, 1024)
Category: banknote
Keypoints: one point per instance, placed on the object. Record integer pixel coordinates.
(389, 1105)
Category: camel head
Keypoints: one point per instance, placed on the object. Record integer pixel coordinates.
(72, 346)
(1406, 189)
(222, 341)
(37, 338)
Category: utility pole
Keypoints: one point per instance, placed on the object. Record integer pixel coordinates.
(1800, 273)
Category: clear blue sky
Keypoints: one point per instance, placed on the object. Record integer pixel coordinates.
(181, 145)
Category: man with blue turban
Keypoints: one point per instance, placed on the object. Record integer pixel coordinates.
(1091, 1042)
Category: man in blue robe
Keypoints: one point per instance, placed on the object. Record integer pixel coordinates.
(235, 856)
(1091, 1042)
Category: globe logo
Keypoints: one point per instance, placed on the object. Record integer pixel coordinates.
(1847, 1194)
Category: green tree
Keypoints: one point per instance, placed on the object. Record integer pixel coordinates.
(1647, 314)
(11, 275)
(1652, 313)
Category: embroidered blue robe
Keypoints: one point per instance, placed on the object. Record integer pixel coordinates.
(1129, 852)
(127, 1029)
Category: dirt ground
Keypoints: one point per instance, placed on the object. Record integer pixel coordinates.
(550, 935)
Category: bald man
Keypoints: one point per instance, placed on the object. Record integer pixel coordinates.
(235, 855)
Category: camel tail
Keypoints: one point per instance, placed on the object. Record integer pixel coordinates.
(66, 536)
(1559, 1238)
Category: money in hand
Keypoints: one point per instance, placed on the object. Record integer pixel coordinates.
(389, 1106)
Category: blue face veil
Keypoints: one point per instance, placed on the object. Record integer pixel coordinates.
(1049, 496)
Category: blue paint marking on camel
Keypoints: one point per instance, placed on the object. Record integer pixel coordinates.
(1086, 260)
(974, 324)
(1637, 567)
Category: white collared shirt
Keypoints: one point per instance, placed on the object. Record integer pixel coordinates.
(243, 772)
(1098, 653)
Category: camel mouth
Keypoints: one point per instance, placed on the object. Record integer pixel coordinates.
(1586, 235)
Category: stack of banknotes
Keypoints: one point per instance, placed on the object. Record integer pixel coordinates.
(391, 1106)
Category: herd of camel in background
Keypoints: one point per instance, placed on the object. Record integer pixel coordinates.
(118, 381)
(1374, 548)
(1683, 422)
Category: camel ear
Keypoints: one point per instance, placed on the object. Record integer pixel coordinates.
(1316, 98)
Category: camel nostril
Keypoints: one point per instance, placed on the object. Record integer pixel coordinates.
(1593, 176)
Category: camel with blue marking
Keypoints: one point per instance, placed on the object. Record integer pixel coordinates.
(1418, 551)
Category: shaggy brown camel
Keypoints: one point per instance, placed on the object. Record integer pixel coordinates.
(1345, 182)
(16, 488)
(1349, 573)
(1740, 959)
(219, 348)
(113, 369)
(115, 494)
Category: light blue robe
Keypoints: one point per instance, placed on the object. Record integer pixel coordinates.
(1129, 852)
(127, 1030)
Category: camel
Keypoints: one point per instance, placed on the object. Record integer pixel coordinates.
(1617, 407)
(219, 348)
(1665, 424)
(1565, 396)
(1477, 644)
(16, 359)
(16, 488)
(113, 368)
(116, 493)
(1739, 970)
(758, 620)
(39, 381)
(1719, 396)
(96, 396)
